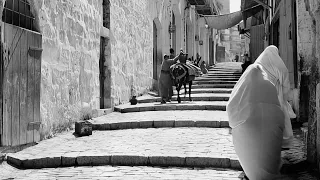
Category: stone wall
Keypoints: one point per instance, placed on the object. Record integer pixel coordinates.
(131, 49)
(312, 78)
(70, 60)
(305, 36)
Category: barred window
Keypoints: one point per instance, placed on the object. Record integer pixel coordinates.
(18, 13)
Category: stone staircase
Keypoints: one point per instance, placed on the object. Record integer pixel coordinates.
(189, 134)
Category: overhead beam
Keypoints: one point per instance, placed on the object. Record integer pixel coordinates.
(263, 4)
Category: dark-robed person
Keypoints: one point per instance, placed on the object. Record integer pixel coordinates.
(165, 80)
(246, 62)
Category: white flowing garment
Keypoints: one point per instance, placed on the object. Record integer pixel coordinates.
(258, 115)
(278, 74)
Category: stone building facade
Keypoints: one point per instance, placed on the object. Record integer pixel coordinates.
(94, 55)
(308, 17)
(79, 46)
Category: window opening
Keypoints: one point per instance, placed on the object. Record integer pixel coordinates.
(18, 13)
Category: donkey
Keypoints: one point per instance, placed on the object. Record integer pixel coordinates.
(180, 76)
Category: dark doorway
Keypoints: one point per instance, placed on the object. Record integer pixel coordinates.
(174, 34)
(155, 42)
(105, 74)
(276, 33)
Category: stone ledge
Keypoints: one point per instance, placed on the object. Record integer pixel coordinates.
(186, 98)
(195, 105)
(160, 124)
(125, 160)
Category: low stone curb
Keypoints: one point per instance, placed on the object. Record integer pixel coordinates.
(124, 160)
(160, 124)
(186, 98)
(170, 107)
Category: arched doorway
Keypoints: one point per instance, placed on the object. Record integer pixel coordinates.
(20, 75)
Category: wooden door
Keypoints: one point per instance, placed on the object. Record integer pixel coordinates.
(21, 86)
(220, 55)
(256, 41)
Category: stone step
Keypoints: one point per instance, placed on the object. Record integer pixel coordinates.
(207, 90)
(195, 97)
(123, 172)
(223, 74)
(179, 147)
(225, 69)
(213, 82)
(206, 78)
(197, 91)
(201, 86)
(161, 119)
(184, 105)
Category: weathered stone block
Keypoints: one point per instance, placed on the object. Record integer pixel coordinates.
(161, 124)
(131, 109)
(122, 160)
(167, 161)
(146, 124)
(15, 161)
(224, 124)
(212, 124)
(208, 162)
(184, 124)
(147, 109)
(47, 162)
(83, 128)
(235, 164)
(91, 160)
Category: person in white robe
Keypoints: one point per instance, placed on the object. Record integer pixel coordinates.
(258, 115)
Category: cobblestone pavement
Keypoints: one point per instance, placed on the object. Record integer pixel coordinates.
(121, 173)
(152, 142)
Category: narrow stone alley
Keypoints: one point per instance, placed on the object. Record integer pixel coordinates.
(191, 140)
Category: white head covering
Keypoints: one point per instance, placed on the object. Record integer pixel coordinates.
(277, 73)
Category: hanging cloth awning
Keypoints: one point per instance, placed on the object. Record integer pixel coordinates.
(224, 21)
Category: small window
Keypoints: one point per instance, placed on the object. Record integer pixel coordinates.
(18, 13)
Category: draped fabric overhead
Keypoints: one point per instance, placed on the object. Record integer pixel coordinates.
(224, 21)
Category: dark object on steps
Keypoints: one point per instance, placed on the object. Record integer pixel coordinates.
(83, 128)
(134, 100)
